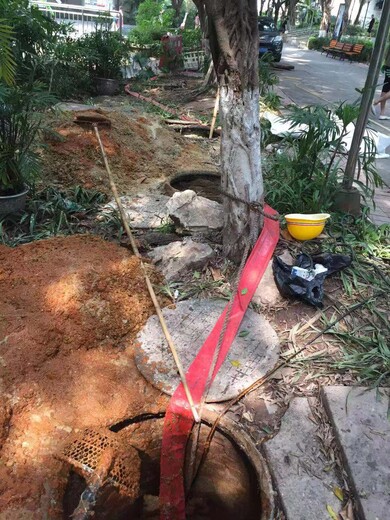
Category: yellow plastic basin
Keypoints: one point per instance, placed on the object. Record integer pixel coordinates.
(306, 227)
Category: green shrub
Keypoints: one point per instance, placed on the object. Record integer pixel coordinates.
(192, 38)
(303, 176)
(153, 20)
(21, 120)
(316, 43)
(365, 56)
(355, 30)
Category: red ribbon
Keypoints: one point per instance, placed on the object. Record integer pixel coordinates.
(178, 419)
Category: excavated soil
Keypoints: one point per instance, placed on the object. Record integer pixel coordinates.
(141, 152)
(70, 310)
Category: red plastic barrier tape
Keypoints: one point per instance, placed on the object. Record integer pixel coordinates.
(178, 419)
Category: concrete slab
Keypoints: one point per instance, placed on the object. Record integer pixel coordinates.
(298, 467)
(254, 351)
(363, 432)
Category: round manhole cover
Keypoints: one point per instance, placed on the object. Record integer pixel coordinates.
(254, 352)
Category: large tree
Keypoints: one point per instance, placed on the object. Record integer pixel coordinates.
(326, 7)
(234, 43)
(346, 16)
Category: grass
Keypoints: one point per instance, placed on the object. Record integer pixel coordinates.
(51, 212)
(357, 348)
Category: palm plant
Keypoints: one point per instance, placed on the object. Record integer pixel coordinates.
(7, 62)
(21, 111)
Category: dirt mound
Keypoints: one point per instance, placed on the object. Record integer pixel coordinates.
(139, 150)
(70, 308)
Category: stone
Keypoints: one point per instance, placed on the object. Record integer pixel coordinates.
(267, 292)
(363, 433)
(73, 107)
(179, 258)
(254, 351)
(298, 468)
(194, 212)
(143, 211)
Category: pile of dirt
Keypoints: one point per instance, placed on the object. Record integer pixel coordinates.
(140, 151)
(70, 310)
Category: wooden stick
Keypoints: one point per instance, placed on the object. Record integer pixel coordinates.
(148, 282)
(214, 114)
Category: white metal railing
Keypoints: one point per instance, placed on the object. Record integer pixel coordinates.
(82, 18)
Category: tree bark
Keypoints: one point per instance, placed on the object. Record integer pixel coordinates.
(326, 6)
(292, 14)
(234, 42)
(346, 16)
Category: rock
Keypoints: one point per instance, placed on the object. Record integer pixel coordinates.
(195, 213)
(362, 430)
(304, 483)
(142, 211)
(179, 258)
(73, 107)
(267, 292)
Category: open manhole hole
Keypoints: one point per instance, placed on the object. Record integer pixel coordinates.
(233, 484)
(206, 184)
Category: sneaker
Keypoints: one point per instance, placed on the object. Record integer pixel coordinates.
(384, 118)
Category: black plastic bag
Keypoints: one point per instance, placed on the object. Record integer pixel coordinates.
(311, 289)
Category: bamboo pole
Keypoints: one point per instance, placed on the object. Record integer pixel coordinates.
(149, 285)
(216, 105)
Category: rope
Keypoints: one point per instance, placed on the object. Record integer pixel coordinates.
(257, 207)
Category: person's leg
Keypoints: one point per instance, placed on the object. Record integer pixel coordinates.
(385, 95)
(382, 101)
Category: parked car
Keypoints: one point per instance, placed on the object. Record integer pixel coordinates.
(270, 40)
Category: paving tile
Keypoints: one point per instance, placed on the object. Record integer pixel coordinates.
(363, 432)
(297, 467)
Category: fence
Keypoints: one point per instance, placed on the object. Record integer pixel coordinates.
(82, 18)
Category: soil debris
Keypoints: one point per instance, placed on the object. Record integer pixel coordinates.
(70, 309)
(137, 148)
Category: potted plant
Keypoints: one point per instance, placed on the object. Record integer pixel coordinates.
(20, 121)
(106, 53)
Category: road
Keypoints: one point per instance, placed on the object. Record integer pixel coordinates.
(318, 79)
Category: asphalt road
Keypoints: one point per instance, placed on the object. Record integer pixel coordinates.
(318, 79)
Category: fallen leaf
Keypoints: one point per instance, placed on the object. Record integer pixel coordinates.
(347, 512)
(243, 334)
(244, 291)
(339, 493)
(235, 363)
(331, 512)
(196, 274)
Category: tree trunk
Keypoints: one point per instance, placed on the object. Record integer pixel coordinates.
(234, 44)
(356, 22)
(292, 12)
(326, 6)
(346, 16)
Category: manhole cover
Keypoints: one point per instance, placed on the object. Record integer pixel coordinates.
(254, 351)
